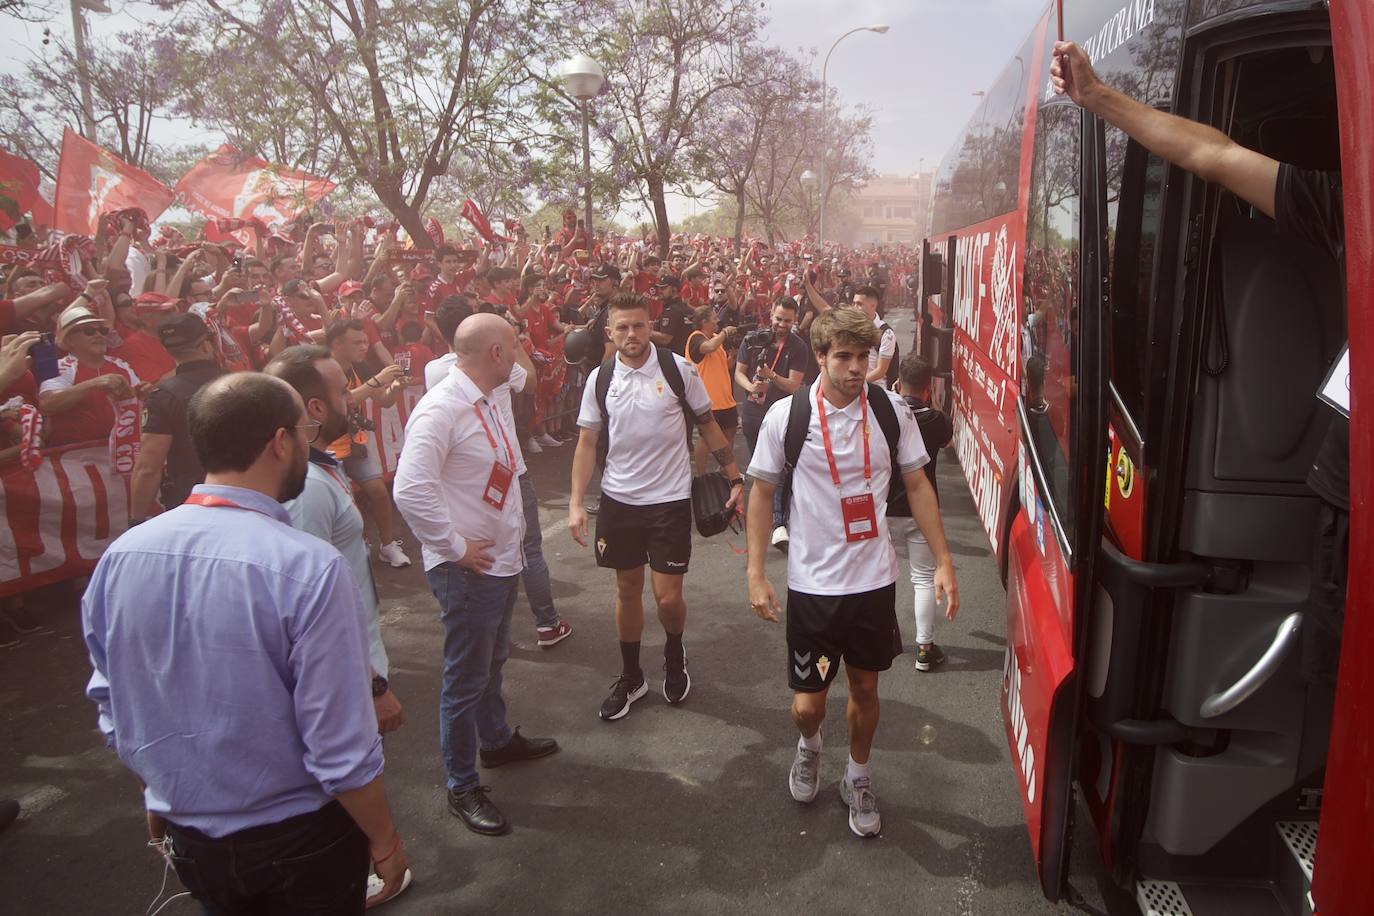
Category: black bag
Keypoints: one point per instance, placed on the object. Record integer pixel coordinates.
(710, 493)
(894, 367)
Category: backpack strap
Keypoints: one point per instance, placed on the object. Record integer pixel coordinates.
(886, 416)
(667, 364)
(603, 387)
(798, 423)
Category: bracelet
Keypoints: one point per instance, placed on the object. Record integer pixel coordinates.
(372, 382)
(394, 847)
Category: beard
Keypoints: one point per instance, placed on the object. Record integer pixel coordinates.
(335, 426)
(294, 483)
(632, 348)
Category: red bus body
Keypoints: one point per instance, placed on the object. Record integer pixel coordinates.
(1038, 215)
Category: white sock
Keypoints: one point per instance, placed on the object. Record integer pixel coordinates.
(811, 744)
(856, 770)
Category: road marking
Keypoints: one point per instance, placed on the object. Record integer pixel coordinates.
(39, 799)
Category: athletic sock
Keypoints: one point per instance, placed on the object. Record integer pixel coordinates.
(856, 770)
(672, 648)
(629, 661)
(811, 744)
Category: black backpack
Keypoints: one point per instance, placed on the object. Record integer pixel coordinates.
(799, 423)
(894, 367)
(671, 373)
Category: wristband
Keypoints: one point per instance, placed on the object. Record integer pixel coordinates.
(372, 383)
(737, 482)
(394, 847)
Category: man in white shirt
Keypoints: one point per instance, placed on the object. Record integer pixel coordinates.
(549, 627)
(646, 489)
(880, 357)
(841, 568)
(456, 487)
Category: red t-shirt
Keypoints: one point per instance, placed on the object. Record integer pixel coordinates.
(696, 294)
(143, 352)
(645, 281)
(441, 289)
(94, 417)
(413, 358)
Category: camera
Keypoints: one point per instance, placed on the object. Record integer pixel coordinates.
(758, 338)
(358, 423)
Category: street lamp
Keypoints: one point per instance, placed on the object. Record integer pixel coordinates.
(880, 29)
(83, 73)
(583, 78)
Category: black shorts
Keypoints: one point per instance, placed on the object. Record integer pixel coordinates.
(727, 418)
(627, 536)
(823, 629)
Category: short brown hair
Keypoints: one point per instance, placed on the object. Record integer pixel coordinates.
(624, 302)
(701, 313)
(841, 324)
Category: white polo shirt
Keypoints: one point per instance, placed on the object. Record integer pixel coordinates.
(887, 347)
(647, 463)
(445, 463)
(819, 559)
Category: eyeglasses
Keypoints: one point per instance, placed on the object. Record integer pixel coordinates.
(94, 330)
(314, 426)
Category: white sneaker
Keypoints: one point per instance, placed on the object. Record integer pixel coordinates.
(804, 779)
(393, 555)
(375, 885)
(532, 447)
(863, 806)
(780, 538)
(548, 441)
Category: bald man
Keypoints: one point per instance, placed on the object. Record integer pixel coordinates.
(456, 486)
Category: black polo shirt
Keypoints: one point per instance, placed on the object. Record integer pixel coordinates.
(164, 413)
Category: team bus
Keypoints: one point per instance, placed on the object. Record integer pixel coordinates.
(1131, 357)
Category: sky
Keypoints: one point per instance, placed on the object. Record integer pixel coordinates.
(919, 77)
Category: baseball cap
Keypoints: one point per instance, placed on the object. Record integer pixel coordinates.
(181, 331)
(73, 317)
(669, 280)
(349, 288)
(606, 272)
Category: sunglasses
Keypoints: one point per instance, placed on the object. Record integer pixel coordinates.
(95, 330)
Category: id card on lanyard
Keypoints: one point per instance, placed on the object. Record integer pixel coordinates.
(858, 513)
(498, 483)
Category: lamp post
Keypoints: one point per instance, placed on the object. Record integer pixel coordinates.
(880, 29)
(808, 183)
(83, 73)
(583, 78)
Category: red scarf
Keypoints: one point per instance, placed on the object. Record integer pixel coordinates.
(295, 331)
(237, 225)
(473, 214)
(30, 432)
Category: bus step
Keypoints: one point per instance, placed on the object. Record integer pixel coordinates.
(1300, 840)
(1161, 898)
(1201, 897)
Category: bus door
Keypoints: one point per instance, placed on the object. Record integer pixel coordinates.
(1056, 529)
(934, 329)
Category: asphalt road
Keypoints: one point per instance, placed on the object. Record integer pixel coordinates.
(670, 810)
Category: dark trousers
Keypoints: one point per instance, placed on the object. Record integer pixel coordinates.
(314, 864)
(750, 419)
(1323, 620)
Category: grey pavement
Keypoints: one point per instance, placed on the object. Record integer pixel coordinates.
(670, 810)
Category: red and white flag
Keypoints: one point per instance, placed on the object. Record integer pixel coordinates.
(92, 181)
(19, 194)
(473, 214)
(228, 184)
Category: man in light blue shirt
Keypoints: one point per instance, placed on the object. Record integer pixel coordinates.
(326, 508)
(230, 670)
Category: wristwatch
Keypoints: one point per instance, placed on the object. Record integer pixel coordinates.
(737, 482)
(379, 686)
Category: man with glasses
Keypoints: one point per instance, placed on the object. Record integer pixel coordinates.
(80, 402)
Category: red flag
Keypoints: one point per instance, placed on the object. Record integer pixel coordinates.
(473, 214)
(435, 231)
(19, 191)
(230, 185)
(92, 181)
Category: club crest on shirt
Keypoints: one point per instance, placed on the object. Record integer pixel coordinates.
(658, 387)
(601, 546)
(823, 666)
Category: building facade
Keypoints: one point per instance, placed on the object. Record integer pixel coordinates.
(892, 209)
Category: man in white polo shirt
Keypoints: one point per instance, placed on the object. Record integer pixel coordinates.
(456, 485)
(882, 354)
(646, 488)
(841, 568)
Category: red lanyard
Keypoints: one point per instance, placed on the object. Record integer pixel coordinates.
(825, 437)
(218, 502)
(781, 346)
(510, 455)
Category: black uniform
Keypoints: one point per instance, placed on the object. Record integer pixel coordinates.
(676, 321)
(164, 413)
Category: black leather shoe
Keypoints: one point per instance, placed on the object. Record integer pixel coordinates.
(477, 811)
(519, 748)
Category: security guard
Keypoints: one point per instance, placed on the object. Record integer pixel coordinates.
(166, 440)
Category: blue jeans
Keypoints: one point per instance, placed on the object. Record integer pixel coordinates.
(476, 612)
(536, 574)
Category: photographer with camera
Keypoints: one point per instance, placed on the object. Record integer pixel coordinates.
(347, 343)
(708, 347)
(771, 365)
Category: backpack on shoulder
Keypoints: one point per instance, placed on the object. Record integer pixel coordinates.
(894, 367)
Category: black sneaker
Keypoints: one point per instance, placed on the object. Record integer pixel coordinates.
(623, 693)
(928, 657)
(676, 681)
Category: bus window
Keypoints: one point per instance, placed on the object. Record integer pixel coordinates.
(1135, 194)
(1051, 313)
